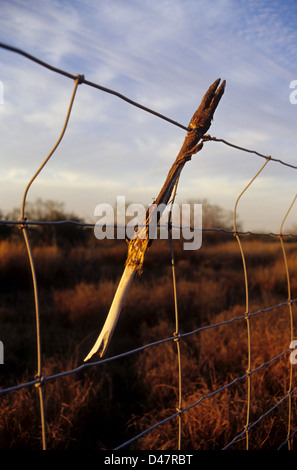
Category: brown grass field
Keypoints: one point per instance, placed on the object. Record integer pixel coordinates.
(101, 407)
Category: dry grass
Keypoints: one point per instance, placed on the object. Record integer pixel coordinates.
(103, 406)
(71, 405)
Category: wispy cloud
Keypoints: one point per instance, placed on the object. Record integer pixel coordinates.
(164, 54)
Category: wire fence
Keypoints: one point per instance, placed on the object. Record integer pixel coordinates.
(40, 380)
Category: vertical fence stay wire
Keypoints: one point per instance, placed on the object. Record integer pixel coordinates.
(246, 304)
(211, 395)
(177, 332)
(24, 228)
(40, 379)
(290, 316)
(257, 421)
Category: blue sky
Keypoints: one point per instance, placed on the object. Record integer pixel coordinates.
(163, 54)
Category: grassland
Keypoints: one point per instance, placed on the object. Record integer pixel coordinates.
(101, 407)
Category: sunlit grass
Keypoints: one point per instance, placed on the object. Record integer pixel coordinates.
(106, 405)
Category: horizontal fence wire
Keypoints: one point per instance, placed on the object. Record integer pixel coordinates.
(161, 226)
(82, 80)
(40, 379)
(185, 335)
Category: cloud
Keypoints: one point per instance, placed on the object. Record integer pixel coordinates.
(163, 54)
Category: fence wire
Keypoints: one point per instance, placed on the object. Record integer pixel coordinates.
(40, 380)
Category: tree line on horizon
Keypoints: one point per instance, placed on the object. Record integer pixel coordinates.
(64, 234)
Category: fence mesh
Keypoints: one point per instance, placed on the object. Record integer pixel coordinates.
(253, 414)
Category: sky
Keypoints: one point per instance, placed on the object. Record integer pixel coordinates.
(163, 54)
